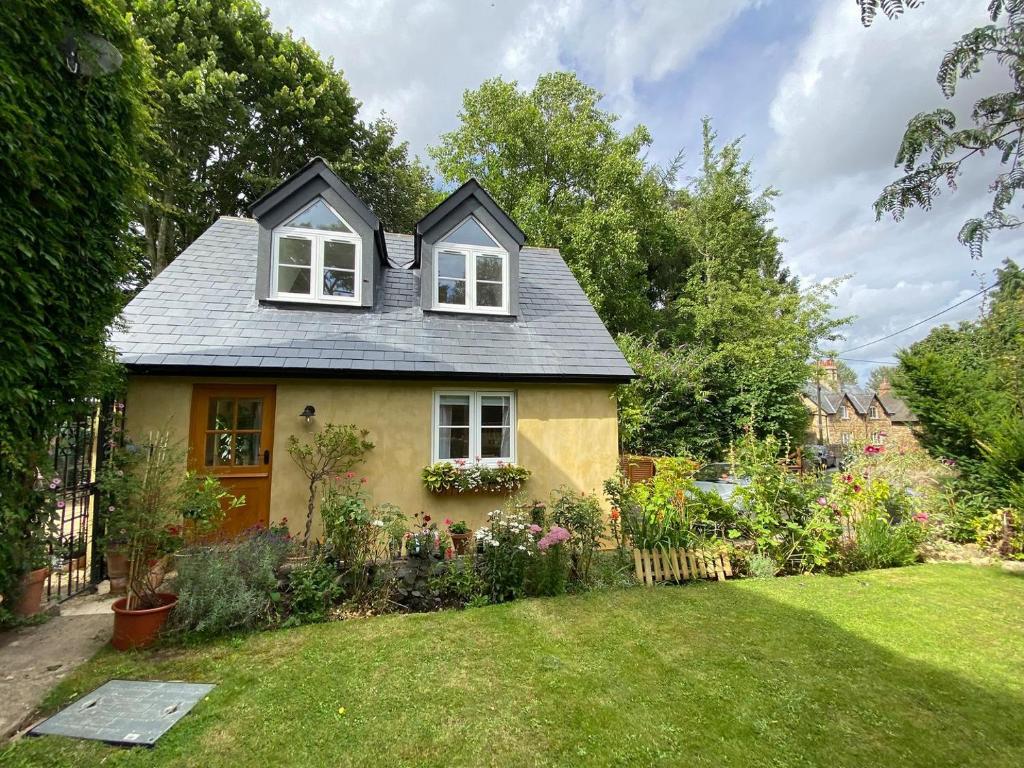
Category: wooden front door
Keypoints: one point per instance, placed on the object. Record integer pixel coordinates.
(232, 437)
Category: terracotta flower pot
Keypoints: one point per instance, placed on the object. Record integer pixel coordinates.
(460, 542)
(31, 592)
(117, 571)
(139, 628)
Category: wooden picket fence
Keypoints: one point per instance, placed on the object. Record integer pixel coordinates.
(671, 564)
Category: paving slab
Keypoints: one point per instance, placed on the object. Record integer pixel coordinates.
(34, 659)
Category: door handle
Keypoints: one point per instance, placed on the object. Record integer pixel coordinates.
(266, 456)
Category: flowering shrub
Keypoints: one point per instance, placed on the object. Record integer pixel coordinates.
(463, 477)
(581, 516)
(507, 543)
(548, 571)
(426, 540)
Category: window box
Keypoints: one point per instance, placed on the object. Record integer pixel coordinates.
(448, 478)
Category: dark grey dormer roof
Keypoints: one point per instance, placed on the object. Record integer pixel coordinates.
(200, 316)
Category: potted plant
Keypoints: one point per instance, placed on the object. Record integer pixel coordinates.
(31, 589)
(460, 534)
(37, 545)
(425, 541)
(153, 501)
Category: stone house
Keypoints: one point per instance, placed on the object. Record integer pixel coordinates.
(843, 415)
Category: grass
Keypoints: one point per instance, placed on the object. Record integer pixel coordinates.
(917, 666)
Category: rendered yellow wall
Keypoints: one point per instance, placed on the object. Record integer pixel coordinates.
(567, 434)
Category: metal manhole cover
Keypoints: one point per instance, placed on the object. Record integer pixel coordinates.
(126, 712)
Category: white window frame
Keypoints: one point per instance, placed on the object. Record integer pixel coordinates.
(475, 396)
(873, 412)
(846, 438)
(844, 413)
(470, 253)
(316, 278)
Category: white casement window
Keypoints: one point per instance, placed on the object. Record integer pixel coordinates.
(873, 412)
(847, 438)
(471, 271)
(844, 412)
(317, 258)
(475, 427)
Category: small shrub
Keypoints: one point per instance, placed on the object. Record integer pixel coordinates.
(548, 570)
(507, 543)
(612, 569)
(581, 515)
(228, 587)
(882, 543)
(456, 584)
(760, 566)
(313, 590)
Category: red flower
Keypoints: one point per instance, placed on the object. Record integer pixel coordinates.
(426, 518)
(349, 475)
(448, 521)
(615, 513)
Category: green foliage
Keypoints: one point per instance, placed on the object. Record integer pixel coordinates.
(557, 163)
(581, 515)
(456, 584)
(333, 451)
(153, 503)
(782, 512)
(240, 106)
(735, 331)
(548, 570)
(471, 478)
(891, 8)
(229, 587)
(669, 510)
(934, 147)
(355, 535)
(966, 386)
(506, 547)
(880, 375)
(313, 590)
(881, 542)
(69, 149)
(760, 566)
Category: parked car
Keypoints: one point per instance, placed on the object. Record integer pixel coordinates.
(719, 478)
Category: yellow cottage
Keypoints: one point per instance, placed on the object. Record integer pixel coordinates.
(453, 344)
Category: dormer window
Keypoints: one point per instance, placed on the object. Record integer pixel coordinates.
(471, 270)
(317, 257)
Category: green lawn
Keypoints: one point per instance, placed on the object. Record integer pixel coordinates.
(918, 666)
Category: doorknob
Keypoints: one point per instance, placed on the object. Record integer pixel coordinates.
(266, 456)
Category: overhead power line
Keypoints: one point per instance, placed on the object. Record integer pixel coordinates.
(876, 362)
(921, 322)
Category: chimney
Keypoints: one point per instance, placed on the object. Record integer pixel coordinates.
(884, 387)
(830, 374)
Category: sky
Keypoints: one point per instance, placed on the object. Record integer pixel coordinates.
(819, 101)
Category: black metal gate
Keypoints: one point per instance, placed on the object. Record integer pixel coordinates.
(78, 450)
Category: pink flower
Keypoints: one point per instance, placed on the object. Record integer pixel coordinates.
(822, 500)
(535, 529)
(448, 521)
(847, 478)
(60, 505)
(362, 481)
(921, 517)
(556, 535)
(349, 475)
(856, 488)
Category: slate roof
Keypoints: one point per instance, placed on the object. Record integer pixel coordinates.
(200, 315)
(861, 399)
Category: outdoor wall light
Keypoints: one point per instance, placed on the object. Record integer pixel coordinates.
(308, 413)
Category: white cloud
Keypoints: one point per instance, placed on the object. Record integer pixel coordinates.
(415, 60)
(838, 115)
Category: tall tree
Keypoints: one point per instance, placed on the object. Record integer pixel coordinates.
(72, 118)
(966, 385)
(239, 106)
(936, 146)
(555, 161)
(736, 333)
